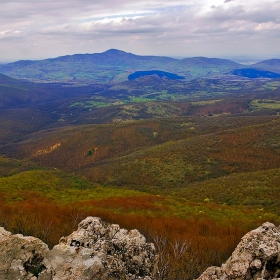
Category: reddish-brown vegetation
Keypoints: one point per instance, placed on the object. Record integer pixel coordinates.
(208, 242)
(129, 203)
(188, 167)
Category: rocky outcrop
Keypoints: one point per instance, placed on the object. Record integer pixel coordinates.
(256, 257)
(21, 257)
(102, 251)
(97, 250)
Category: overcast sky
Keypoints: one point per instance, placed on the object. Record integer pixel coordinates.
(36, 29)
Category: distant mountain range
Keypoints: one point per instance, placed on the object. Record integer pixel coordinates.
(114, 66)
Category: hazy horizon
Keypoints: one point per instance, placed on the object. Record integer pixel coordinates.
(246, 60)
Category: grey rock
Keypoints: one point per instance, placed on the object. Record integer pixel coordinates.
(101, 251)
(257, 256)
(97, 250)
(21, 256)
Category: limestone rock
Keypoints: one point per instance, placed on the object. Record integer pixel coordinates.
(257, 256)
(98, 250)
(20, 256)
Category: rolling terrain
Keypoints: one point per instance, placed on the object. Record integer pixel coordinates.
(112, 66)
(183, 160)
(115, 66)
(164, 154)
(162, 176)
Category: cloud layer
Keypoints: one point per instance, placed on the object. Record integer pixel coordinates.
(35, 29)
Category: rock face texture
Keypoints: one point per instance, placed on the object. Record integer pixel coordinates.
(97, 250)
(21, 257)
(257, 256)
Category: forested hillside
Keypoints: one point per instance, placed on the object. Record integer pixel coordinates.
(192, 162)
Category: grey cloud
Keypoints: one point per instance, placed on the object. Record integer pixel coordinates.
(261, 13)
(161, 26)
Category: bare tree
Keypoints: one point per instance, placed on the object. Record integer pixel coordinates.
(77, 217)
(170, 255)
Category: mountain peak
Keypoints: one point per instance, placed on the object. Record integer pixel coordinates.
(115, 52)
